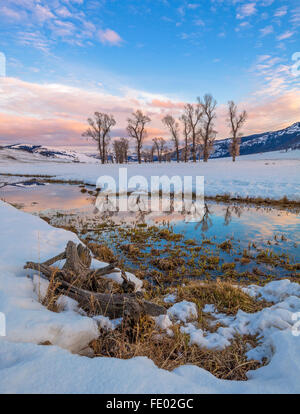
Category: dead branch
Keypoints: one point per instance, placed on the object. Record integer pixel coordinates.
(77, 268)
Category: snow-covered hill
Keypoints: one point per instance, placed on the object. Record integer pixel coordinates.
(41, 152)
(284, 139)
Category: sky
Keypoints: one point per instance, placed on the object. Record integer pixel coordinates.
(66, 59)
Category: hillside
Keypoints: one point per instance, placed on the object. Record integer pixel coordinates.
(284, 139)
(40, 152)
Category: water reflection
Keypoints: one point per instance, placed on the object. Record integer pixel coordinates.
(220, 221)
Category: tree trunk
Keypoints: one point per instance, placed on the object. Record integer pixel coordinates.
(194, 149)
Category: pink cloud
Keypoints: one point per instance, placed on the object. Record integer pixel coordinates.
(12, 14)
(110, 37)
(43, 13)
(246, 10)
(43, 131)
(167, 104)
(285, 35)
(267, 115)
(52, 114)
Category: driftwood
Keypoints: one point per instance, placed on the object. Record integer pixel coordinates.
(77, 268)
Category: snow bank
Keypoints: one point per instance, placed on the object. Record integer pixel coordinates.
(27, 238)
(24, 238)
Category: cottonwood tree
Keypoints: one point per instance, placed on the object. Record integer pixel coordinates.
(159, 145)
(136, 129)
(173, 127)
(235, 121)
(147, 155)
(186, 136)
(125, 144)
(167, 156)
(99, 130)
(193, 114)
(207, 132)
(120, 148)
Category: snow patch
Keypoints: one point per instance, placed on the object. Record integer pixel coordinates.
(183, 311)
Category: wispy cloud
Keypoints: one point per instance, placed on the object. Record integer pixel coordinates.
(63, 12)
(267, 30)
(282, 11)
(53, 20)
(34, 39)
(11, 14)
(295, 19)
(43, 13)
(285, 35)
(273, 76)
(110, 37)
(246, 10)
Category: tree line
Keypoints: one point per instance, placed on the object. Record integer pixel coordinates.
(193, 132)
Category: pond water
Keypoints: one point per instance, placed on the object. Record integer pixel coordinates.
(273, 231)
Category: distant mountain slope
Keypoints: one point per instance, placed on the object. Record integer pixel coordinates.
(284, 139)
(68, 155)
(288, 138)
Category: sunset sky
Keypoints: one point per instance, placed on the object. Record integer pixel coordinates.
(66, 59)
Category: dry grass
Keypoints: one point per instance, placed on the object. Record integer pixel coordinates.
(51, 297)
(226, 245)
(171, 352)
(145, 339)
(226, 297)
(102, 252)
(168, 263)
(283, 203)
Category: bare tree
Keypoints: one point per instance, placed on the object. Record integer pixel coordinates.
(159, 145)
(120, 148)
(126, 149)
(147, 155)
(193, 114)
(167, 155)
(136, 129)
(99, 130)
(186, 135)
(236, 121)
(207, 132)
(173, 127)
(152, 150)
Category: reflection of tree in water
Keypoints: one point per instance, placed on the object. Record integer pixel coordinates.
(141, 216)
(206, 221)
(238, 210)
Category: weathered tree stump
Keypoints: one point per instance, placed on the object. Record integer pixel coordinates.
(77, 269)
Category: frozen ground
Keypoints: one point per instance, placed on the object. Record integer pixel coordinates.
(272, 175)
(26, 367)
